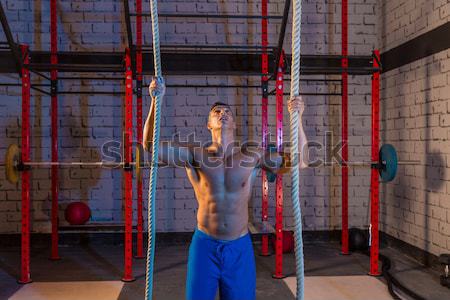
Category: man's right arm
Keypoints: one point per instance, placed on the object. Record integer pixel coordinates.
(169, 153)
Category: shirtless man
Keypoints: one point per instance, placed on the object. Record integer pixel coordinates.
(222, 175)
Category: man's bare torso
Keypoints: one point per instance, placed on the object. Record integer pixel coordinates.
(223, 186)
(222, 181)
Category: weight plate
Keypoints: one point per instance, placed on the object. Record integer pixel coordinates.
(388, 163)
(12, 160)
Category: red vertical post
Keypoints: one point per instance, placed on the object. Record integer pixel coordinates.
(279, 181)
(25, 237)
(344, 168)
(374, 191)
(265, 129)
(54, 117)
(140, 219)
(128, 174)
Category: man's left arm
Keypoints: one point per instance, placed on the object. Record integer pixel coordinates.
(302, 140)
(281, 162)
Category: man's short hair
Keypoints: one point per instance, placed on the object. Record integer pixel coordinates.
(219, 104)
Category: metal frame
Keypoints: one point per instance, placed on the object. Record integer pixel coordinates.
(226, 60)
(374, 183)
(189, 63)
(264, 125)
(223, 60)
(344, 128)
(25, 209)
(54, 123)
(25, 276)
(135, 57)
(279, 180)
(127, 171)
(139, 133)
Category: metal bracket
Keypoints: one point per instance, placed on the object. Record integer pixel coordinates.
(376, 58)
(54, 87)
(127, 167)
(22, 167)
(377, 166)
(265, 88)
(139, 88)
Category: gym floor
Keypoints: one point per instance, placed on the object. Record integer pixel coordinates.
(94, 271)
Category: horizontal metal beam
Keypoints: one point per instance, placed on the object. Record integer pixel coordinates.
(93, 227)
(309, 94)
(91, 93)
(90, 78)
(427, 44)
(7, 62)
(210, 16)
(210, 47)
(19, 84)
(94, 68)
(308, 80)
(219, 86)
(187, 63)
(332, 64)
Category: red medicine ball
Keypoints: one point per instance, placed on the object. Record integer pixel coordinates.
(288, 241)
(77, 213)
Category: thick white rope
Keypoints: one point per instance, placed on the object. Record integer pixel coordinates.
(154, 161)
(294, 139)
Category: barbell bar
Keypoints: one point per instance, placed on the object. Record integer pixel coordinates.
(387, 165)
(13, 164)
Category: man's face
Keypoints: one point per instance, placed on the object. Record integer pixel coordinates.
(221, 117)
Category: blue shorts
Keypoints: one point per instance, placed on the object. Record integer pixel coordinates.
(227, 265)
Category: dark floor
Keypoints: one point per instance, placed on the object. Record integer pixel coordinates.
(82, 263)
(423, 281)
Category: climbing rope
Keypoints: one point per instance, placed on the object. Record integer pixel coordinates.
(154, 165)
(294, 125)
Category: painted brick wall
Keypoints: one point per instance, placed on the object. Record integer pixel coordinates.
(415, 118)
(87, 122)
(402, 20)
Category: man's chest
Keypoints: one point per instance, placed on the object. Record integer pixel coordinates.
(232, 173)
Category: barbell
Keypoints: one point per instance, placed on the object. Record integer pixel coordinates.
(14, 165)
(386, 166)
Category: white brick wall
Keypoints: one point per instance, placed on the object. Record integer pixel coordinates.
(86, 122)
(415, 109)
(402, 20)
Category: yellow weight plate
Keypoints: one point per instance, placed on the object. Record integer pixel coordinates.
(12, 160)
